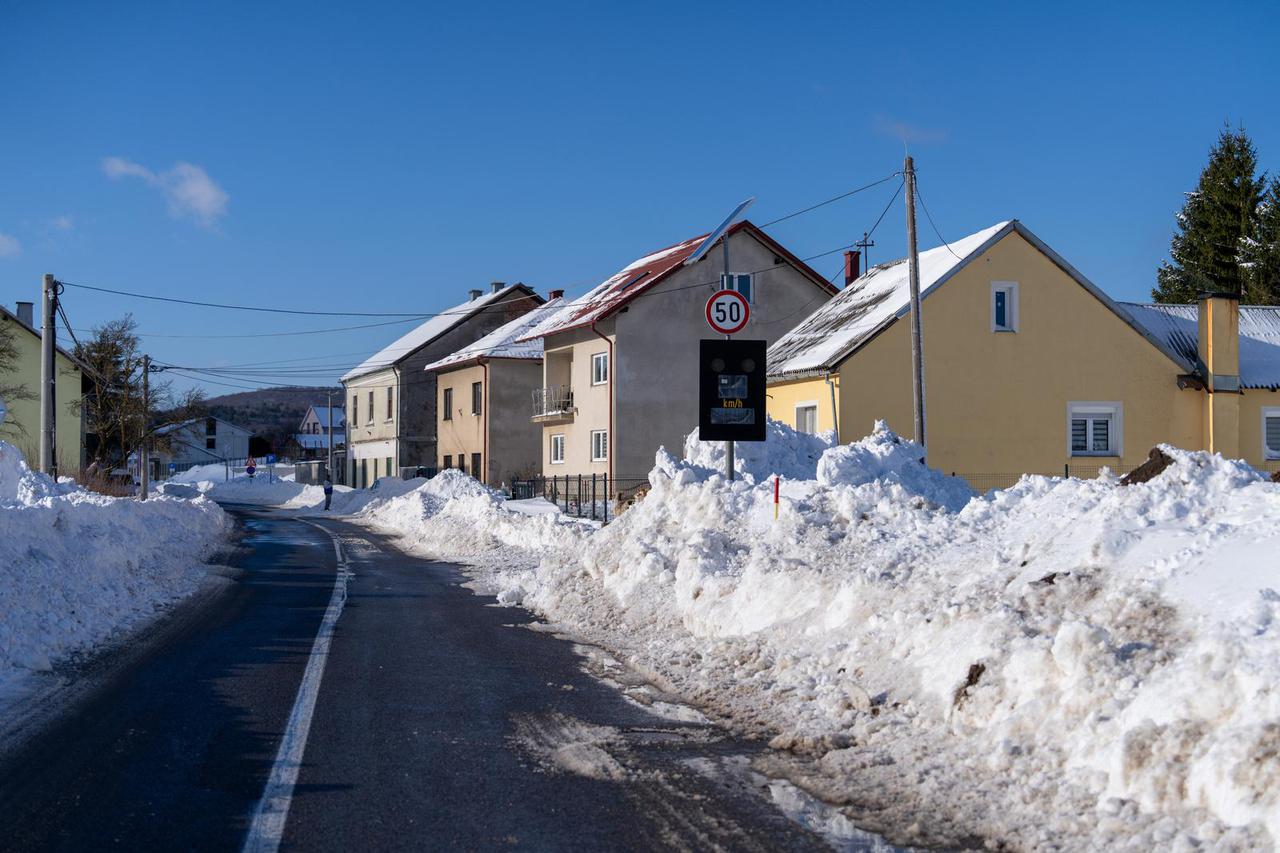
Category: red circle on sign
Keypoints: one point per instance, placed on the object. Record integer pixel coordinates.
(728, 311)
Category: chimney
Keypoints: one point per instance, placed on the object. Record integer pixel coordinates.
(1218, 351)
(27, 313)
(474, 294)
(852, 266)
(495, 286)
(555, 294)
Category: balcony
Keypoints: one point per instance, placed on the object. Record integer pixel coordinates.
(553, 405)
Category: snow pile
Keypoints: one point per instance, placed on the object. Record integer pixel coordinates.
(286, 493)
(78, 568)
(1063, 663)
(785, 452)
(214, 473)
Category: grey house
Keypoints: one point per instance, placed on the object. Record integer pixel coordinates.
(391, 398)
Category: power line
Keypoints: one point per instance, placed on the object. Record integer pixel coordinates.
(832, 199)
(885, 212)
(237, 307)
(929, 216)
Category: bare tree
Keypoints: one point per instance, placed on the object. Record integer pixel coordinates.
(11, 392)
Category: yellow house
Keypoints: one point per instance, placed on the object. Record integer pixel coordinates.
(22, 425)
(1029, 367)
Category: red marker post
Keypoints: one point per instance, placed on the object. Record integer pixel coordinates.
(777, 487)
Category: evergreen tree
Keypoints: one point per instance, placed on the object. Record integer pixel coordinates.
(1263, 254)
(1215, 225)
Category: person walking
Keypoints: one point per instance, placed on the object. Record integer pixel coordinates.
(328, 492)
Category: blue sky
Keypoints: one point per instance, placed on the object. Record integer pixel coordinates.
(384, 157)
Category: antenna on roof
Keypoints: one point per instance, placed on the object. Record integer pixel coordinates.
(706, 244)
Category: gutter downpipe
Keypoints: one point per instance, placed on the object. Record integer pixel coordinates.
(484, 444)
(612, 366)
(835, 412)
(399, 421)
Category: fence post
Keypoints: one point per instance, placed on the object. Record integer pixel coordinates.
(579, 496)
(566, 494)
(593, 496)
(606, 498)
(1066, 470)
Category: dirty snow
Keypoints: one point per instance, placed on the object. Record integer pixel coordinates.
(78, 569)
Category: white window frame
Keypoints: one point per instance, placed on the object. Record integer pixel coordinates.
(1269, 412)
(807, 404)
(1084, 408)
(1011, 307)
(599, 358)
(729, 281)
(602, 457)
(557, 458)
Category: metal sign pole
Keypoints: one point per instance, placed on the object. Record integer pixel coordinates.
(724, 285)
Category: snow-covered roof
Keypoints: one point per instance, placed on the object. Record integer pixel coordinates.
(433, 328)
(510, 340)
(1176, 325)
(874, 301)
(646, 272)
(168, 428)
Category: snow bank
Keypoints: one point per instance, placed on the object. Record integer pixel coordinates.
(1063, 663)
(793, 455)
(306, 499)
(77, 568)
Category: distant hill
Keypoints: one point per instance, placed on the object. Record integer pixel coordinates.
(272, 413)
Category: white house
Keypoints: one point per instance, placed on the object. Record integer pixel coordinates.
(200, 441)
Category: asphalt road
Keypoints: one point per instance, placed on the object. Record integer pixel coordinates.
(441, 722)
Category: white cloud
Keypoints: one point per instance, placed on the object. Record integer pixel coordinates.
(188, 189)
(9, 246)
(895, 129)
(62, 223)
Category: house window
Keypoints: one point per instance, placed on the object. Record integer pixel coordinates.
(448, 461)
(599, 445)
(557, 449)
(388, 466)
(1094, 429)
(448, 404)
(475, 466)
(210, 444)
(807, 417)
(364, 473)
(1004, 306)
(477, 396)
(741, 282)
(210, 426)
(370, 406)
(599, 368)
(390, 402)
(462, 462)
(355, 410)
(1271, 433)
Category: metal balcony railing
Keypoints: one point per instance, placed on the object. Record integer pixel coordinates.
(554, 400)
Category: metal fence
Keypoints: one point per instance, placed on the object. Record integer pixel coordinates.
(595, 496)
(552, 400)
(986, 481)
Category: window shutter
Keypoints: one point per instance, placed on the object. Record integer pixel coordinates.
(1273, 433)
(1101, 434)
(1079, 434)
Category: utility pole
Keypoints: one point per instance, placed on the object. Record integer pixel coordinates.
(329, 463)
(144, 454)
(862, 246)
(913, 266)
(724, 285)
(48, 377)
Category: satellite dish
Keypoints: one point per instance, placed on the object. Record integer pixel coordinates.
(706, 244)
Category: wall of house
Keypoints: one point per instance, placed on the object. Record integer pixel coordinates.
(463, 434)
(996, 402)
(1252, 403)
(657, 351)
(514, 440)
(576, 347)
(22, 425)
(784, 397)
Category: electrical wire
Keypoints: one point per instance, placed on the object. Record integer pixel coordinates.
(929, 216)
(831, 200)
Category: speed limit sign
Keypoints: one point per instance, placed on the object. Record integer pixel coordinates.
(728, 311)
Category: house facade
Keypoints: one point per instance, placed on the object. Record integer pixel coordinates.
(21, 427)
(620, 364)
(1028, 366)
(199, 441)
(391, 398)
(313, 437)
(482, 405)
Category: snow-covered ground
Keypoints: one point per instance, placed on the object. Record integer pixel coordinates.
(78, 568)
(1062, 664)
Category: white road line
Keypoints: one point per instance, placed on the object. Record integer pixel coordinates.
(267, 827)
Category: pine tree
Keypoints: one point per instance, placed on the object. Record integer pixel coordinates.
(1215, 225)
(1263, 253)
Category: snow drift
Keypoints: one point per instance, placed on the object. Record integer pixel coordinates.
(78, 568)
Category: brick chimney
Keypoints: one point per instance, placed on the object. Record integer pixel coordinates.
(852, 266)
(27, 313)
(1218, 356)
(495, 286)
(555, 294)
(474, 294)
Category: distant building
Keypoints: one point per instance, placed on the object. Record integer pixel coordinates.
(620, 363)
(483, 392)
(22, 425)
(312, 439)
(391, 400)
(199, 441)
(1031, 368)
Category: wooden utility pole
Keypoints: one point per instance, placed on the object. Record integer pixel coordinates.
(913, 267)
(144, 453)
(329, 463)
(48, 377)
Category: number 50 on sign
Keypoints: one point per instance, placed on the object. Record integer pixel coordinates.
(728, 311)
